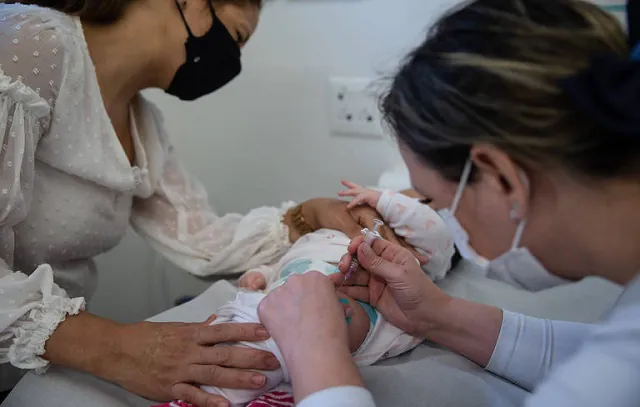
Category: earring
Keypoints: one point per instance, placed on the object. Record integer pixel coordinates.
(515, 212)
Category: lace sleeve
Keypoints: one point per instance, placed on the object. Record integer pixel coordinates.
(31, 307)
(179, 223)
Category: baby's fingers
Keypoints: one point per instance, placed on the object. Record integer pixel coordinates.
(351, 185)
(357, 201)
(349, 192)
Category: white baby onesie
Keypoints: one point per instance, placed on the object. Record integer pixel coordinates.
(383, 340)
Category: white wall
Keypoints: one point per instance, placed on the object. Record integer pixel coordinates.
(265, 137)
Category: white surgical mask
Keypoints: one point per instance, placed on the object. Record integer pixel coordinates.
(517, 267)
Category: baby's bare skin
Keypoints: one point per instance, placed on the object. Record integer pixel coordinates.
(359, 324)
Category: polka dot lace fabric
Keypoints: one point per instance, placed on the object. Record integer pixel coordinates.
(68, 191)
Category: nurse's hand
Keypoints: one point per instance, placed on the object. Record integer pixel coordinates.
(308, 324)
(392, 281)
(168, 361)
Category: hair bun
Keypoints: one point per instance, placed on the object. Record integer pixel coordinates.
(608, 92)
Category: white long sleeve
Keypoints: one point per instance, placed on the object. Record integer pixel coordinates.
(421, 227)
(347, 396)
(178, 222)
(605, 370)
(31, 307)
(529, 348)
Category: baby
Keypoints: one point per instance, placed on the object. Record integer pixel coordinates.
(371, 337)
(417, 223)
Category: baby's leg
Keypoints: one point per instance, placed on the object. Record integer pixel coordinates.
(244, 310)
(358, 323)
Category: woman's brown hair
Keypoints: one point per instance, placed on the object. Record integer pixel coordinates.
(103, 11)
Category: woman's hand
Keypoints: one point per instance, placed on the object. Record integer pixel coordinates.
(162, 361)
(394, 283)
(168, 361)
(307, 322)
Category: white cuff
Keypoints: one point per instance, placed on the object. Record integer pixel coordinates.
(346, 396)
(384, 202)
(505, 344)
(34, 329)
(519, 355)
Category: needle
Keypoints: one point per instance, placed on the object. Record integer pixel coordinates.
(369, 237)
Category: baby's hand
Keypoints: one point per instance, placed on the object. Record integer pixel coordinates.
(253, 280)
(361, 195)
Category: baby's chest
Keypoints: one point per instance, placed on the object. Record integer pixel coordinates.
(70, 219)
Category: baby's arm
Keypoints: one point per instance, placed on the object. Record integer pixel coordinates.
(417, 223)
(421, 227)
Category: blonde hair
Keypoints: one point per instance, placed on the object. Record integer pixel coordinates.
(489, 72)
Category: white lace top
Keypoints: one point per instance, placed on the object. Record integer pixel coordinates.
(68, 191)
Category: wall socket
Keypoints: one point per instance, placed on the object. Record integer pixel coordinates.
(353, 108)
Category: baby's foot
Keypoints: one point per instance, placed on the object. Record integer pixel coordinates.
(252, 280)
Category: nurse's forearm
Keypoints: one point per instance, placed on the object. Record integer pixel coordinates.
(316, 369)
(465, 327)
(84, 342)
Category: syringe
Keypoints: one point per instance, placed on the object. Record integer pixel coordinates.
(369, 237)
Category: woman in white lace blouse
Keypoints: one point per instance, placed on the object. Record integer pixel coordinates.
(82, 153)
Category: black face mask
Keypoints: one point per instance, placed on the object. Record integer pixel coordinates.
(213, 60)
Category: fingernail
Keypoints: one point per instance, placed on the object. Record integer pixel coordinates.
(272, 362)
(258, 380)
(366, 250)
(262, 333)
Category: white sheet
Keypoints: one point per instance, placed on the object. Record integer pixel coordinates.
(427, 377)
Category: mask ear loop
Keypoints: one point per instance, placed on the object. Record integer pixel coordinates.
(184, 19)
(523, 223)
(213, 12)
(518, 236)
(463, 183)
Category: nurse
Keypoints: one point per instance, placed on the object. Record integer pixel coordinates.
(83, 154)
(522, 119)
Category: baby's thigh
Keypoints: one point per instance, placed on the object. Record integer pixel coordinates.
(240, 397)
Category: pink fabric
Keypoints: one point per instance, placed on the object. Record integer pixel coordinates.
(177, 403)
(272, 399)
